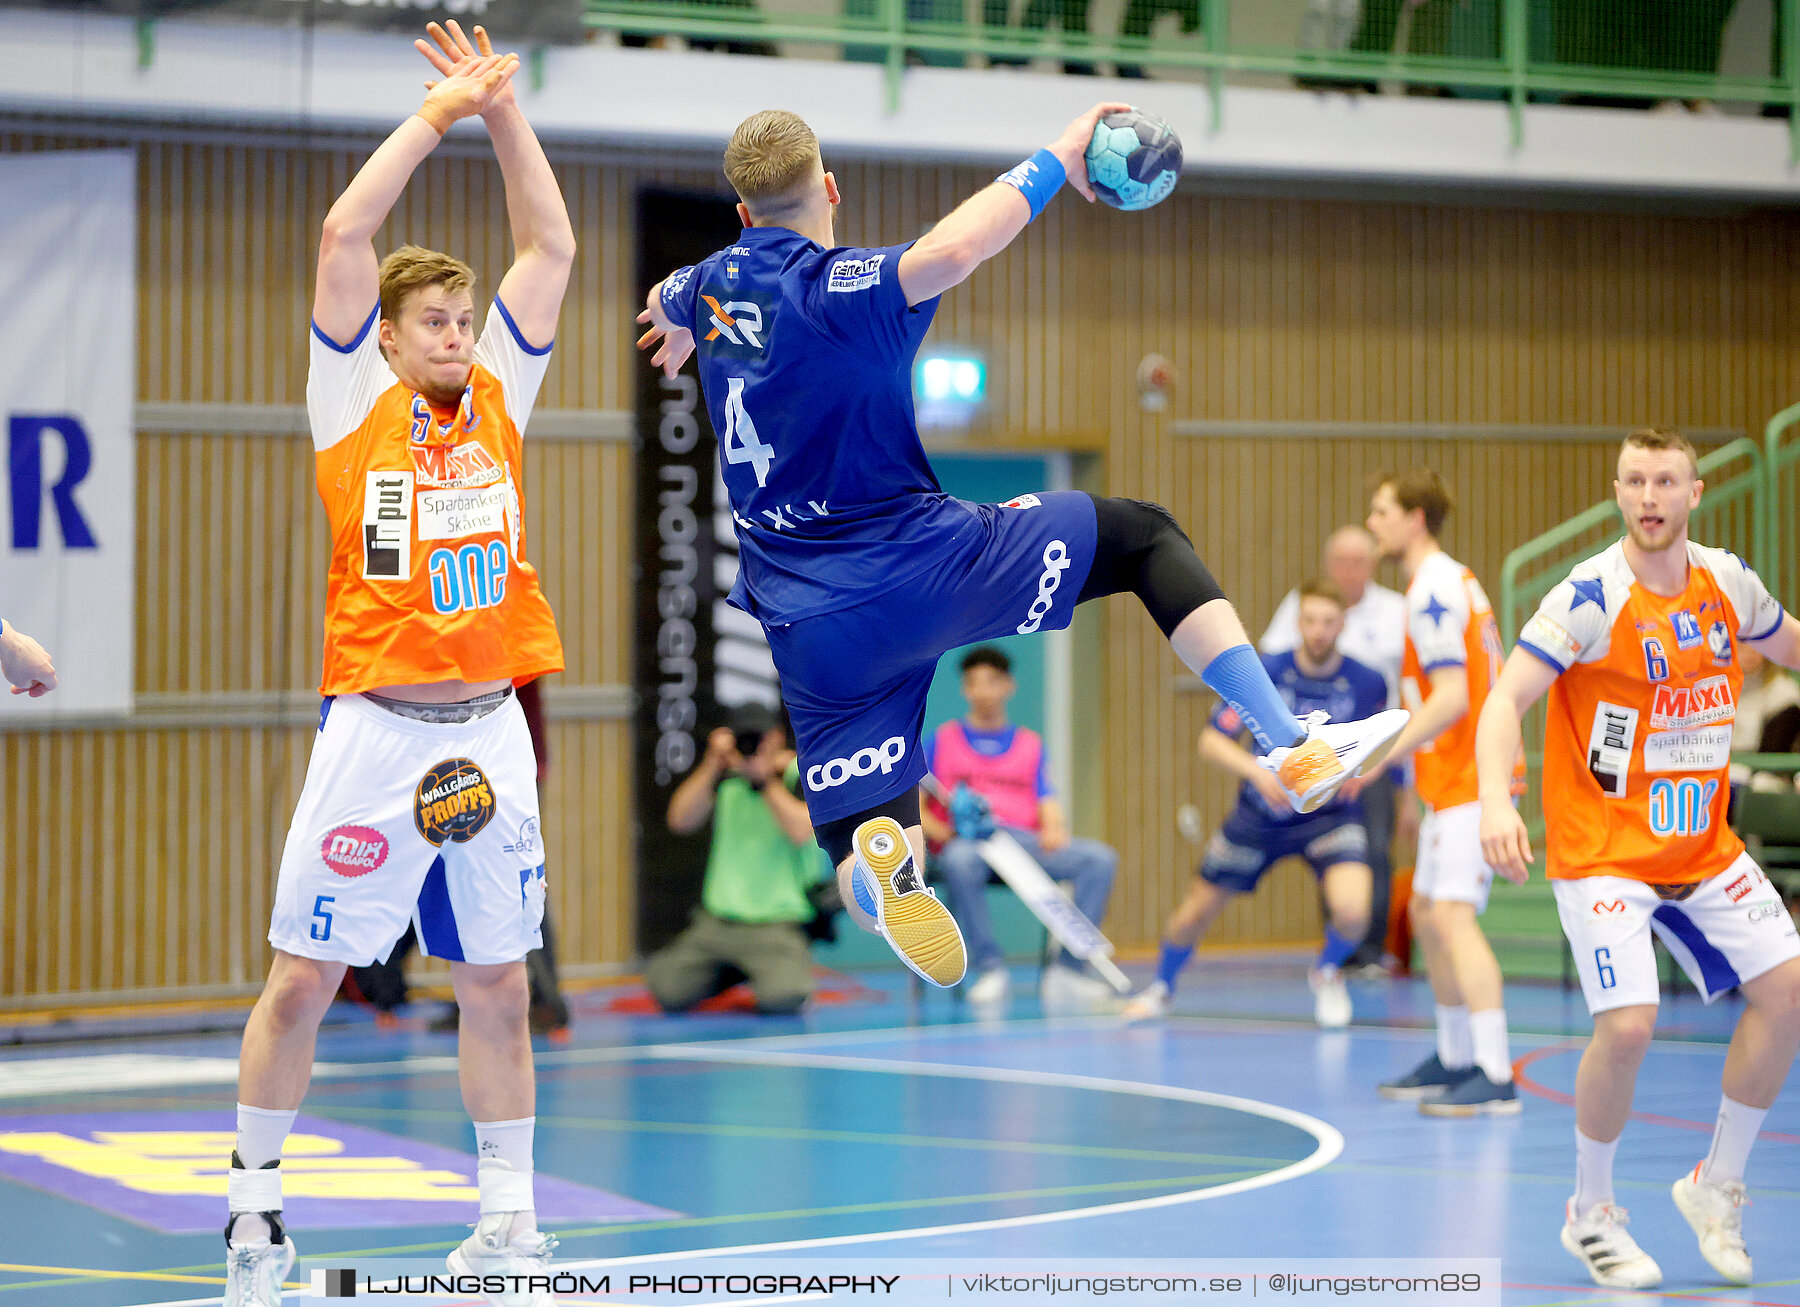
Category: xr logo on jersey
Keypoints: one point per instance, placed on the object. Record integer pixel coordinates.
(739, 321)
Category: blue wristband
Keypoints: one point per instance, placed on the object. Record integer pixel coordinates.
(1037, 179)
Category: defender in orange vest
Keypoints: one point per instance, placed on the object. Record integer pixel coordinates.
(420, 802)
(1451, 656)
(1638, 650)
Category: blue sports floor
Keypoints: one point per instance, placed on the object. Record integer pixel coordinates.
(885, 1127)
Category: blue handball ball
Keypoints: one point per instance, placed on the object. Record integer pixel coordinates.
(1133, 160)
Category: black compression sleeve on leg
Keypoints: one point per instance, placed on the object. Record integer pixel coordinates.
(835, 836)
(1139, 547)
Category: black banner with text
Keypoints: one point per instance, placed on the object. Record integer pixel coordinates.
(695, 656)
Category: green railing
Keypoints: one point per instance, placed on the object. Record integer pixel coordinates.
(1783, 463)
(1512, 50)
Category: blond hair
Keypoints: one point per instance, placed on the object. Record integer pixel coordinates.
(411, 268)
(1662, 438)
(771, 156)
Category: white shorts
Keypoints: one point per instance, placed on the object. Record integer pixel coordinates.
(1450, 865)
(1731, 929)
(402, 820)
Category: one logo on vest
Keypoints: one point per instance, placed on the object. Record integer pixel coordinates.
(828, 775)
(1056, 562)
(455, 802)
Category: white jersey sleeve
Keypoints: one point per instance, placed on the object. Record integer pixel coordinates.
(1759, 613)
(516, 363)
(1437, 617)
(344, 381)
(1284, 628)
(1573, 624)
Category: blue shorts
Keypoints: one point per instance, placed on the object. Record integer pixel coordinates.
(854, 681)
(1245, 847)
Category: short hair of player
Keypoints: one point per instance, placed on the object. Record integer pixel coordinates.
(1421, 489)
(411, 268)
(770, 157)
(1663, 438)
(1319, 589)
(987, 656)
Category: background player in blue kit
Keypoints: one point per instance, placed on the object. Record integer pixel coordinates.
(1263, 829)
(859, 567)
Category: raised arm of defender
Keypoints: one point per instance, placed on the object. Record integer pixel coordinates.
(987, 222)
(348, 280)
(543, 238)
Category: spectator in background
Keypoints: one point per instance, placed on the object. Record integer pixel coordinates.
(1141, 15)
(754, 904)
(24, 663)
(1768, 718)
(995, 772)
(1071, 15)
(1375, 636)
(1648, 35)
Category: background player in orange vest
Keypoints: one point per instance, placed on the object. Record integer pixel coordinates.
(420, 802)
(1638, 650)
(1451, 657)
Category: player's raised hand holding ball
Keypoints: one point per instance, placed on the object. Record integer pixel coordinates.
(1133, 159)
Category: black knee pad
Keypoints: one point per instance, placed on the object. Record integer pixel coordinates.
(835, 836)
(1140, 547)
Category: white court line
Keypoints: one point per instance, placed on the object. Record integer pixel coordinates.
(1331, 1142)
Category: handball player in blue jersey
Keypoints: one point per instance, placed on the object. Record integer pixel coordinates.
(862, 571)
(1263, 828)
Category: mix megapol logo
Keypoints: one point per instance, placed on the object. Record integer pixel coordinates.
(455, 802)
(353, 850)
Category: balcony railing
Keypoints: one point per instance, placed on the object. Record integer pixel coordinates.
(1631, 53)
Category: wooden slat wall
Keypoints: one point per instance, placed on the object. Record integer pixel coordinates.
(141, 860)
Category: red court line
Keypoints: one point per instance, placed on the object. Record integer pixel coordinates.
(1531, 1086)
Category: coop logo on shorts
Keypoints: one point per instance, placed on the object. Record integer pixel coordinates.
(354, 850)
(855, 274)
(455, 802)
(1056, 562)
(1767, 910)
(827, 775)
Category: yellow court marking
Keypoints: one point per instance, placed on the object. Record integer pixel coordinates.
(93, 1273)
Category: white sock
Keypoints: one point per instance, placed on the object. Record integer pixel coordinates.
(506, 1146)
(1456, 1049)
(260, 1133)
(1487, 1036)
(1732, 1138)
(510, 1141)
(1593, 1172)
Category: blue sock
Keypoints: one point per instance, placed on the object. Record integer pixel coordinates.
(1337, 949)
(1239, 678)
(1174, 958)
